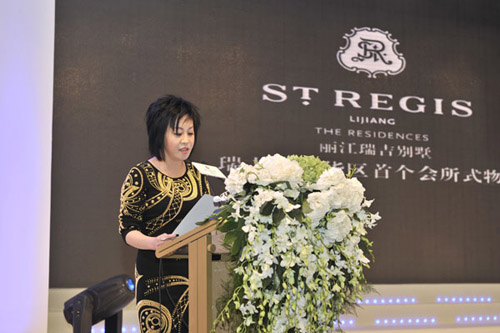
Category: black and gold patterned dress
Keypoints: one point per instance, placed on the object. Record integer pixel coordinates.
(154, 203)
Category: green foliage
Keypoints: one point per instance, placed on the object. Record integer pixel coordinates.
(313, 167)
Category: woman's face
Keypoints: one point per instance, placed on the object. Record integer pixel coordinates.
(180, 141)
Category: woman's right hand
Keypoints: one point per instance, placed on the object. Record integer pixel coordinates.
(140, 241)
(162, 239)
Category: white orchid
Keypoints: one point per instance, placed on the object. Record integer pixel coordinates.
(302, 243)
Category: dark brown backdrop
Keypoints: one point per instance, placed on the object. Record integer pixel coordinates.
(114, 58)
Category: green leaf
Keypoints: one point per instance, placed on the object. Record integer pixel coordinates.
(365, 245)
(286, 182)
(267, 208)
(305, 207)
(278, 215)
(267, 282)
(237, 246)
(232, 236)
(229, 225)
(351, 172)
(296, 214)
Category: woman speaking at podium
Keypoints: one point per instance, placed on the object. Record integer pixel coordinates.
(155, 196)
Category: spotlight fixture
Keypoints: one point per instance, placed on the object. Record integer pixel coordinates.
(102, 301)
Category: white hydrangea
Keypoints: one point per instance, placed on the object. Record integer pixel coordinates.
(275, 168)
(338, 227)
(348, 194)
(237, 178)
(354, 195)
(319, 203)
(330, 177)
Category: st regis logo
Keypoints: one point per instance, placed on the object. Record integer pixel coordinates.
(372, 51)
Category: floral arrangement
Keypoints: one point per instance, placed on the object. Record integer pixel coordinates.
(297, 229)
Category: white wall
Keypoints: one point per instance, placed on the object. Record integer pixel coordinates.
(26, 85)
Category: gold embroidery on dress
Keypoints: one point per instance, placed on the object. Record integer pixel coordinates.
(131, 196)
(179, 310)
(149, 317)
(148, 310)
(175, 190)
(152, 285)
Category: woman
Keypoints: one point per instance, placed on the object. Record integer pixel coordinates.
(155, 197)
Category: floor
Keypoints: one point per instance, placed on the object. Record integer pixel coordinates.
(406, 308)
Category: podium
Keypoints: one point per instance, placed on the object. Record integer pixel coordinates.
(200, 248)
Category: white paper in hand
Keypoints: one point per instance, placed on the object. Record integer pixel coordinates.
(208, 170)
(200, 211)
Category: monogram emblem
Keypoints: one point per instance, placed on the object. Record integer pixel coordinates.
(372, 51)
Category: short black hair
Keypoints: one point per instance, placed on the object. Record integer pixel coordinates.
(167, 111)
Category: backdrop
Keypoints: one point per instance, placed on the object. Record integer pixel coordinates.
(406, 91)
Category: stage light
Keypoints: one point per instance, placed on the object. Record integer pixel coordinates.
(384, 301)
(404, 321)
(344, 322)
(461, 299)
(102, 301)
